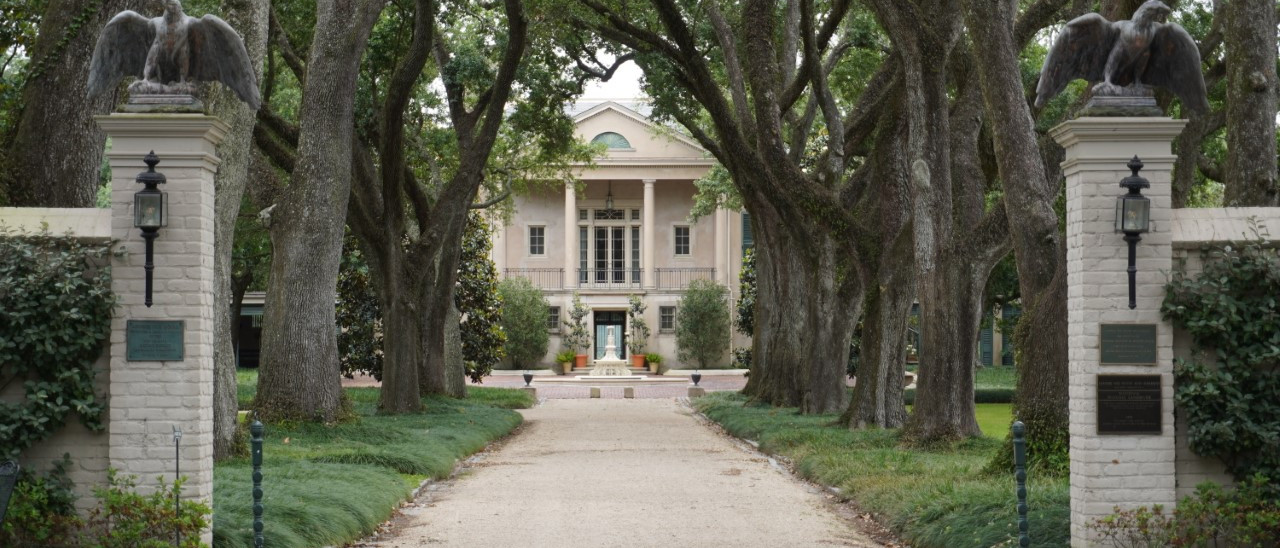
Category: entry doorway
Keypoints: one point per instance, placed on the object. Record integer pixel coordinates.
(618, 320)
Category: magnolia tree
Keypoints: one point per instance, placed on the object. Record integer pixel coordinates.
(702, 323)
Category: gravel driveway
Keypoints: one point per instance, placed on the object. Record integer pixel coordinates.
(611, 472)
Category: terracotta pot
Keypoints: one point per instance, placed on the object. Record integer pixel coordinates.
(580, 360)
(637, 360)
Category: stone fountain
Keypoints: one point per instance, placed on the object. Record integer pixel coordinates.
(610, 365)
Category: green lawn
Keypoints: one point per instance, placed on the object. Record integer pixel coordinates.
(933, 497)
(329, 485)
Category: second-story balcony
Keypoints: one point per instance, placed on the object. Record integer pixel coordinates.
(611, 278)
(541, 278)
(679, 278)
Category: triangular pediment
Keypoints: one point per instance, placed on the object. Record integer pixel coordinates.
(648, 141)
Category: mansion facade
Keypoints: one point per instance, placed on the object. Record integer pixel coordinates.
(627, 232)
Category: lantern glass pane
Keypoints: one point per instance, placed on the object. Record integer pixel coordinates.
(148, 209)
(1136, 214)
(1119, 214)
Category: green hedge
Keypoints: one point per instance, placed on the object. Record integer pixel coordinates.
(980, 395)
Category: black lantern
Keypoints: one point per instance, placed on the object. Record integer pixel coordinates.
(608, 200)
(696, 376)
(1133, 217)
(150, 212)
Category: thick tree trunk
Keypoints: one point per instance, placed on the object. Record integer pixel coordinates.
(455, 371)
(808, 301)
(877, 397)
(950, 312)
(1041, 337)
(54, 155)
(299, 373)
(446, 247)
(1250, 39)
(249, 17)
(402, 347)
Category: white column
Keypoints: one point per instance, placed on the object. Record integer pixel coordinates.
(570, 236)
(1115, 470)
(721, 234)
(647, 243)
(150, 398)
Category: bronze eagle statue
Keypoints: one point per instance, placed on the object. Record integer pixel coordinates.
(171, 52)
(1139, 52)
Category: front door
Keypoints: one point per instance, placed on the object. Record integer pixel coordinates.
(611, 318)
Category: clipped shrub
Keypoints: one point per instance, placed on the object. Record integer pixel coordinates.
(524, 319)
(702, 323)
(980, 395)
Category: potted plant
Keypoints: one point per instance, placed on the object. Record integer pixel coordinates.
(655, 362)
(578, 339)
(565, 359)
(639, 338)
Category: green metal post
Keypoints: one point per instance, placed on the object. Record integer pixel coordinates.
(1020, 474)
(256, 449)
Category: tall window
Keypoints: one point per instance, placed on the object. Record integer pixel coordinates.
(537, 240)
(748, 239)
(553, 318)
(666, 319)
(682, 240)
(609, 246)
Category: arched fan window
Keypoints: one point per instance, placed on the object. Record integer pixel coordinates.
(611, 140)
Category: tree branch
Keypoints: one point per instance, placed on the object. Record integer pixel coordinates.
(284, 42)
(733, 68)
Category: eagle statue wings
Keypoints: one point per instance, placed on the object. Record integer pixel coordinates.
(171, 52)
(1121, 54)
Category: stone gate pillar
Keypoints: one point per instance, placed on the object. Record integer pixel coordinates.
(1117, 469)
(149, 397)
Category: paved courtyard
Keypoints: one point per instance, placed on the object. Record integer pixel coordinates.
(614, 472)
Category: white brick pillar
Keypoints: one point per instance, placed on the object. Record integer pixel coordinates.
(149, 398)
(1115, 470)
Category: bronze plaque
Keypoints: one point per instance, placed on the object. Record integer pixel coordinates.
(1129, 404)
(1127, 344)
(153, 340)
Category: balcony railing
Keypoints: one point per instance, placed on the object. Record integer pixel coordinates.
(609, 278)
(679, 278)
(542, 278)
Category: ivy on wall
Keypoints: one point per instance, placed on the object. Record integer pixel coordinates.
(55, 317)
(1229, 394)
